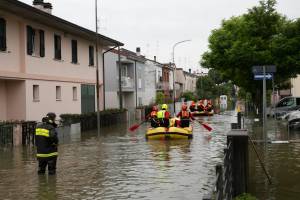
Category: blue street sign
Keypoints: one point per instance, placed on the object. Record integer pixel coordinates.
(268, 76)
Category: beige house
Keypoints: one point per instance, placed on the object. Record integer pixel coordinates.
(46, 63)
(185, 81)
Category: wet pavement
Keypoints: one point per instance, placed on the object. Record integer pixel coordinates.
(119, 165)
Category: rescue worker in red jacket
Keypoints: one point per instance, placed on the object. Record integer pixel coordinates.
(46, 141)
(185, 116)
(209, 106)
(193, 106)
(153, 117)
(164, 116)
(200, 106)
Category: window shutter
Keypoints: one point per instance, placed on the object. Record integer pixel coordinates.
(74, 51)
(42, 43)
(29, 40)
(91, 55)
(57, 47)
(2, 34)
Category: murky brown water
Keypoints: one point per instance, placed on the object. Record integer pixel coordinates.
(282, 161)
(119, 165)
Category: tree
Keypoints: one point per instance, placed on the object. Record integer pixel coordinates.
(262, 36)
(160, 98)
(189, 96)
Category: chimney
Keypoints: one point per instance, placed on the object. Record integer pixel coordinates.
(41, 5)
(138, 51)
(190, 70)
(154, 58)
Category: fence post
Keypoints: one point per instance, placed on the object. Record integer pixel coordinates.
(220, 182)
(240, 159)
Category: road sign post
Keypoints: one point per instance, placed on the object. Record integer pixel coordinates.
(264, 73)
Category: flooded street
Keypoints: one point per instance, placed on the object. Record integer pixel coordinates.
(123, 165)
(119, 165)
(282, 162)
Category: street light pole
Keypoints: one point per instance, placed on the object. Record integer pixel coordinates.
(174, 71)
(97, 69)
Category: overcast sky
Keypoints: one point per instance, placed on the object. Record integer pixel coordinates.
(156, 25)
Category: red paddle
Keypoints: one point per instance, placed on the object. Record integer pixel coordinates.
(136, 126)
(206, 126)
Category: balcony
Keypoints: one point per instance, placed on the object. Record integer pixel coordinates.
(127, 83)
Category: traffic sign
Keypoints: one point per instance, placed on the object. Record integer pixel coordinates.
(260, 69)
(267, 76)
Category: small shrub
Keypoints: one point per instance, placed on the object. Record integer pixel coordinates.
(245, 196)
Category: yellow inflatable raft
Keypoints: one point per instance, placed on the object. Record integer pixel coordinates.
(203, 113)
(162, 133)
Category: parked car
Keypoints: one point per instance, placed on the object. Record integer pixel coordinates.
(293, 119)
(284, 106)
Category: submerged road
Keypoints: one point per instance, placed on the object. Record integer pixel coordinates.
(119, 165)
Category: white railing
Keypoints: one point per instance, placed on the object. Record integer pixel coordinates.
(127, 82)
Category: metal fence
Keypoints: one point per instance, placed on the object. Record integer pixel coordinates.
(6, 134)
(28, 131)
(224, 178)
(9, 134)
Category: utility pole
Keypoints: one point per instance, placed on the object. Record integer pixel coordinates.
(97, 69)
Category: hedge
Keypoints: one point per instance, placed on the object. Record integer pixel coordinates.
(88, 121)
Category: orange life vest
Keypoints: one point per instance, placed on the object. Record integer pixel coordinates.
(153, 114)
(185, 114)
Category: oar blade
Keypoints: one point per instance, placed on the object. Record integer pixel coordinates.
(206, 126)
(134, 127)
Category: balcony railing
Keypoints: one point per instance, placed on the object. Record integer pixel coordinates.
(127, 82)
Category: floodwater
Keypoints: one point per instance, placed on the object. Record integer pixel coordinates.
(119, 165)
(282, 162)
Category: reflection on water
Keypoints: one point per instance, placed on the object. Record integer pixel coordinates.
(282, 162)
(119, 165)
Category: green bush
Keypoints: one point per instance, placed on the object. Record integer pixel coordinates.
(189, 96)
(245, 196)
(160, 98)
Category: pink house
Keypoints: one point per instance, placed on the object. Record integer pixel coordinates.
(46, 63)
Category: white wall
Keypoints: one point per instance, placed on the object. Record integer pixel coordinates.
(48, 102)
(16, 101)
(112, 100)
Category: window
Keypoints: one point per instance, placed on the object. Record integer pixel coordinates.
(57, 47)
(124, 70)
(2, 34)
(140, 83)
(35, 42)
(74, 51)
(140, 101)
(36, 95)
(91, 55)
(74, 93)
(58, 93)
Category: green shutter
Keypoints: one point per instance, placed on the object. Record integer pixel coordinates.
(42, 43)
(2, 34)
(87, 98)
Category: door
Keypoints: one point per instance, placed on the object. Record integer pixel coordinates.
(87, 98)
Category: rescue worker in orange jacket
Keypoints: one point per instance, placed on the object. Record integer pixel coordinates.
(192, 106)
(209, 106)
(185, 116)
(153, 117)
(200, 106)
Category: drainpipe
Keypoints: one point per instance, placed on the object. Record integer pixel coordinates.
(135, 75)
(120, 82)
(103, 64)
